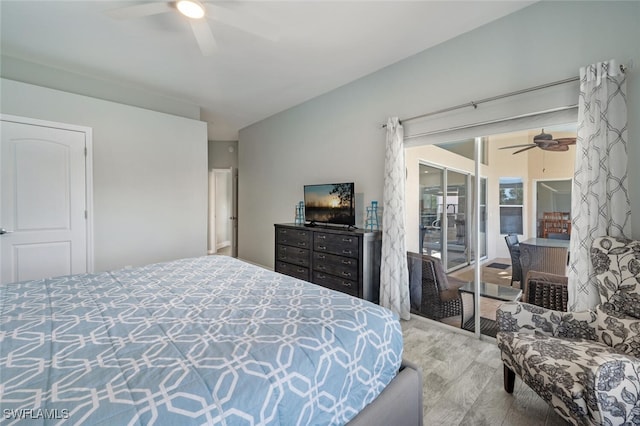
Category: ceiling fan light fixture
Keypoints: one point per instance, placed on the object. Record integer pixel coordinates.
(190, 8)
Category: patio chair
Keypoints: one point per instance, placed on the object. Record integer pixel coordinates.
(586, 365)
(552, 260)
(514, 251)
(432, 292)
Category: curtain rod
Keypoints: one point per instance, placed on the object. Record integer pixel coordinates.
(496, 121)
(475, 104)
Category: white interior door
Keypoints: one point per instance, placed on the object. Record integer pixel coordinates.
(44, 201)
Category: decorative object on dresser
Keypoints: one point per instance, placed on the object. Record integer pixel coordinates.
(372, 223)
(300, 213)
(347, 260)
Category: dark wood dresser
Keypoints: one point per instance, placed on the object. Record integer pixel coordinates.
(336, 258)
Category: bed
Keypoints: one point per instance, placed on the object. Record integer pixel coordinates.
(208, 340)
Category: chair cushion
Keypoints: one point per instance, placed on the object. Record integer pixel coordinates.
(616, 262)
(444, 282)
(561, 371)
(619, 331)
(447, 295)
(414, 264)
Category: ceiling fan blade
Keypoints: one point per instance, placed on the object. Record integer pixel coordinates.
(556, 148)
(246, 23)
(532, 145)
(140, 10)
(204, 36)
(566, 141)
(525, 149)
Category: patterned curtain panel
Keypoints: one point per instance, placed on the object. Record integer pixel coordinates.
(394, 276)
(600, 203)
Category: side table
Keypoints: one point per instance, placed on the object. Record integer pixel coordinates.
(493, 291)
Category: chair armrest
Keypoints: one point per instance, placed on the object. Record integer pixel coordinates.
(617, 389)
(526, 318)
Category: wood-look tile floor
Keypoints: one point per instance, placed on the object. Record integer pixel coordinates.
(463, 383)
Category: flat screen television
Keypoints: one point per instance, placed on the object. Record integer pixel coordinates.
(330, 203)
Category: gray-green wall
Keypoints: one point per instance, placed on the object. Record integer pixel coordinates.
(337, 137)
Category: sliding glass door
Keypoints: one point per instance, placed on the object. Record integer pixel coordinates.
(431, 210)
(523, 191)
(456, 210)
(445, 215)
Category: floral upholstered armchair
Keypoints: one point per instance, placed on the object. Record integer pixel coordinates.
(585, 364)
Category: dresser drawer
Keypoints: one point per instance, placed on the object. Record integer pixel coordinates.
(343, 245)
(343, 267)
(298, 256)
(292, 270)
(336, 283)
(293, 237)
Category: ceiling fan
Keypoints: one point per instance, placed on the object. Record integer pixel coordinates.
(198, 13)
(546, 142)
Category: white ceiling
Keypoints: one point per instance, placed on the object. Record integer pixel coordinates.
(321, 45)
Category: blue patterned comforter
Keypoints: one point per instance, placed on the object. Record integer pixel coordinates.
(210, 340)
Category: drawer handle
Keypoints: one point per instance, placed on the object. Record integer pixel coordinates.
(302, 243)
(346, 251)
(321, 276)
(322, 237)
(282, 248)
(346, 262)
(322, 256)
(283, 231)
(322, 247)
(346, 274)
(301, 270)
(347, 240)
(346, 283)
(322, 267)
(302, 234)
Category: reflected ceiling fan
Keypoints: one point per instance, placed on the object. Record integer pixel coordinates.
(199, 13)
(546, 142)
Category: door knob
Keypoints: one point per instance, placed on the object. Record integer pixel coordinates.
(4, 231)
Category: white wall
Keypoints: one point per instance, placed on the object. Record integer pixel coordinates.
(19, 69)
(337, 136)
(149, 174)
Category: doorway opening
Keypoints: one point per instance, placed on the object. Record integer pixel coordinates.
(553, 208)
(518, 188)
(222, 238)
